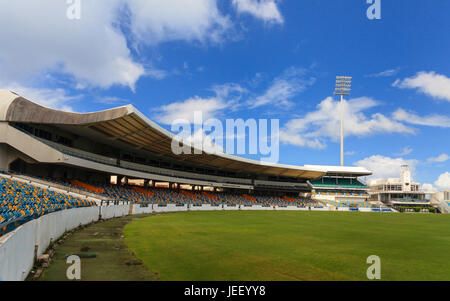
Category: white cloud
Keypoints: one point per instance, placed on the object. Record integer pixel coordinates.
(91, 49)
(439, 159)
(225, 96)
(207, 143)
(231, 91)
(52, 98)
(315, 127)
(429, 188)
(156, 21)
(228, 96)
(185, 109)
(443, 181)
(296, 139)
(156, 73)
(37, 37)
(405, 151)
(291, 82)
(112, 100)
(266, 10)
(429, 120)
(430, 83)
(386, 73)
(385, 167)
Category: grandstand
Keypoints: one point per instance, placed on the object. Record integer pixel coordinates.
(80, 153)
(337, 189)
(83, 151)
(21, 202)
(60, 170)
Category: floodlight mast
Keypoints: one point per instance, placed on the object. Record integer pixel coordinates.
(343, 87)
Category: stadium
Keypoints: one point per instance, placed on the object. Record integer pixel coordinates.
(62, 170)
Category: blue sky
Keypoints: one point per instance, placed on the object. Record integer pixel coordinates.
(251, 59)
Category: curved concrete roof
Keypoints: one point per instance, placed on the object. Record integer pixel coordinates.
(6, 98)
(130, 126)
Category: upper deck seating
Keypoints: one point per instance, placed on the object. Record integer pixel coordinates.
(338, 183)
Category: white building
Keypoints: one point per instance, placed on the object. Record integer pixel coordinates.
(340, 187)
(401, 191)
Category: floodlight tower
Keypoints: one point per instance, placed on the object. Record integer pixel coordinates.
(343, 87)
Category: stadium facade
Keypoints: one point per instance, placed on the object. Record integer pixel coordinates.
(122, 142)
(400, 192)
(56, 171)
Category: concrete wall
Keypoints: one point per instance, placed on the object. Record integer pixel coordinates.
(342, 209)
(256, 207)
(291, 208)
(52, 226)
(7, 155)
(169, 208)
(205, 207)
(28, 145)
(137, 209)
(226, 207)
(108, 212)
(365, 209)
(17, 249)
(17, 252)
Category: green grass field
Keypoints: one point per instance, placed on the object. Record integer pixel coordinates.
(263, 245)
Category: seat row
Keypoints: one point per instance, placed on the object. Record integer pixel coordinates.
(20, 200)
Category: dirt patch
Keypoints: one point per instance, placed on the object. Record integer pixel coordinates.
(112, 260)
